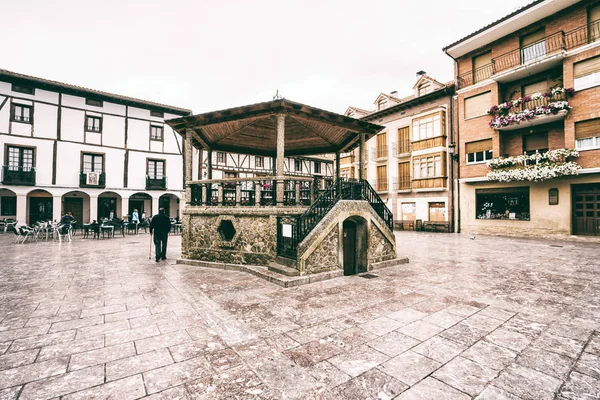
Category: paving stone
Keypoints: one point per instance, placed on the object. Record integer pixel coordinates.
(443, 319)
(175, 374)
(527, 383)
(10, 393)
(432, 389)
(558, 344)
(13, 360)
(407, 315)
(70, 347)
(193, 349)
(439, 349)
(103, 310)
(327, 374)
(490, 355)
(553, 364)
(224, 384)
(22, 333)
(580, 387)
(463, 334)
(373, 384)
(119, 316)
(531, 329)
(463, 310)
(358, 360)
(31, 372)
(465, 375)
(129, 335)
(482, 322)
(593, 345)
(176, 393)
(382, 325)
(4, 346)
(76, 323)
(509, 339)
(95, 330)
(223, 359)
(128, 388)
(161, 341)
(497, 313)
(311, 333)
(101, 356)
(393, 343)
(314, 352)
(420, 330)
(136, 364)
(410, 367)
(494, 393)
(162, 318)
(282, 342)
(589, 364)
(60, 385)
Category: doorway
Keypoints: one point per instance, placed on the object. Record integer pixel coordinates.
(40, 209)
(586, 209)
(354, 245)
(136, 205)
(74, 205)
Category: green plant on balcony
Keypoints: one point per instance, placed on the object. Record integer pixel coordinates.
(535, 167)
(529, 107)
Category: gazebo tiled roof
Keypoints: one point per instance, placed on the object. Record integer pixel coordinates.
(252, 129)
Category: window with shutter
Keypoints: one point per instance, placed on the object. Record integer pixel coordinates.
(404, 140)
(587, 134)
(479, 151)
(587, 73)
(538, 87)
(403, 175)
(482, 67)
(382, 181)
(382, 145)
(535, 142)
(594, 22)
(479, 105)
(533, 46)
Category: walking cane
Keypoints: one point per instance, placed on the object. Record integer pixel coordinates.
(150, 249)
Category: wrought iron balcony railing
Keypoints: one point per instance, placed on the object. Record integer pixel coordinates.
(23, 176)
(92, 179)
(156, 183)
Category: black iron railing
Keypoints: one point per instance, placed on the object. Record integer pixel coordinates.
(12, 175)
(95, 180)
(342, 189)
(156, 183)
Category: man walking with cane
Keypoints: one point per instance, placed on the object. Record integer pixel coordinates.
(160, 226)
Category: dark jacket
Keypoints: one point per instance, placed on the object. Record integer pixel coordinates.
(160, 225)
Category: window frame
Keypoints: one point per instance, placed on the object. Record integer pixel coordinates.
(25, 89)
(94, 155)
(221, 155)
(516, 192)
(93, 117)
(155, 161)
(94, 102)
(162, 133)
(3, 213)
(21, 149)
(297, 165)
(434, 164)
(489, 93)
(317, 167)
(262, 162)
(13, 113)
(418, 121)
(158, 114)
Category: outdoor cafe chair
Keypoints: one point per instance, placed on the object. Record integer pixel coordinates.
(63, 232)
(27, 233)
(10, 225)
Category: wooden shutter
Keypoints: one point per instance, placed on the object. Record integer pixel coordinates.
(382, 173)
(482, 59)
(480, 145)
(587, 129)
(586, 67)
(478, 105)
(381, 140)
(404, 140)
(532, 38)
(536, 141)
(539, 87)
(594, 13)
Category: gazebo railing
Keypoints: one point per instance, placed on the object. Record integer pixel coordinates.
(256, 191)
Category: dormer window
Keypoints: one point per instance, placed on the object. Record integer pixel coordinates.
(351, 114)
(382, 104)
(424, 89)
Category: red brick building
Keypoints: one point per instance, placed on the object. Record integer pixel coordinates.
(515, 113)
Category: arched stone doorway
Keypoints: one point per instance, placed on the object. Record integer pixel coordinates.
(170, 203)
(142, 202)
(39, 203)
(78, 204)
(8, 204)
(109, 206)
(355, 238)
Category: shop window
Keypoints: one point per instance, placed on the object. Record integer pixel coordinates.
(437, 212)
(503, 203)
(409, 211)
(479, 151)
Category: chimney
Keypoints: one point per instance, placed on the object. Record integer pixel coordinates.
(421, 73)
(394, 93)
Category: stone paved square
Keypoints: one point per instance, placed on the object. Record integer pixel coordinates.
(487, 318)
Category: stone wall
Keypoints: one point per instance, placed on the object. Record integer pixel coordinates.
(380, 248)
(325, 256)
(254, 241)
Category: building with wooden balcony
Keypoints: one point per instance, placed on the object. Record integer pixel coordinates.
(408, 162)
(527, 125)
(291, 223)
(95, 154)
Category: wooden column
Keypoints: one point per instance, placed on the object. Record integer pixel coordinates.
(337, 173)
(188, 154)
(361, 157)
(209, 164)
(280, 159)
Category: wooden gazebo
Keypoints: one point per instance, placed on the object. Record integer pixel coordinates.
(250, 220)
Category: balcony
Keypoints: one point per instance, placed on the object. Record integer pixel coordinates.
(544, 54)
(437, 183)
(380, 185)
(18, 176)
(529, 111)
(347, 159)
(92, 180)
(438, 141)
(401, 148)
(402, 183)
(380, 152)
(155, 183)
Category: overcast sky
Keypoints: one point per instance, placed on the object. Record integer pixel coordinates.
(209, 55)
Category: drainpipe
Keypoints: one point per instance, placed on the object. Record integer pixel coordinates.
(454, 140)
